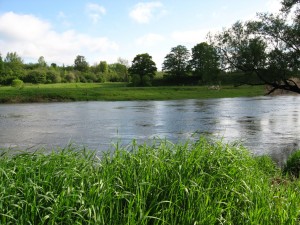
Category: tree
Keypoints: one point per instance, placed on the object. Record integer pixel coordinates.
(144, 67)
(81, 64)
(268, 47)
(41, 62)
(123, 62)
(103, 67)
(205, 62)
(1, 65)
(288, 4)
(176, 63)
(13, 65)
(120, 70)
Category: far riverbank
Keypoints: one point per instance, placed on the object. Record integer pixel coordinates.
(119, 92)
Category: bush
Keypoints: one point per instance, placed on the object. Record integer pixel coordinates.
(53, 77)
(36, 77)
(292, 166)
(17, 83)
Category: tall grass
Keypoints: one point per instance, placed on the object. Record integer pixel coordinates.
(191, 183)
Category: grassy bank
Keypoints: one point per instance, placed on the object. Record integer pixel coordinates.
(200, 183)
(118, 91)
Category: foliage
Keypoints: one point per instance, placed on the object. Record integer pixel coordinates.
(17, 83)
(81, 64)
(162, 183)
(143, 65)
(103, 67)
(13, 65)
(205, 62)
(292, 166)
(1, 66)
(37, 76)
(53, 76)
(41, 62)
(176, 63)
(268, 47)
(135, 80)
(120, 70)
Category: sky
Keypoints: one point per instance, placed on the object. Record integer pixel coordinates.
(104, 30)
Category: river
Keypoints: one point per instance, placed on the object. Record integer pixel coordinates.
(266, 125)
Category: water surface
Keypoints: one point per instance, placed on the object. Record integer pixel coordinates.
(266, 125)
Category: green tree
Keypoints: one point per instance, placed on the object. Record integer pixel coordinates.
(205, 62)
(41, 62)
(103, 67)
(13, 68)
(53, 76)
(176, 63)
(80, 64)
(37, 76)
(1, 66)
(14, 65)
(142, 66)
(268, 47)
(120, 70)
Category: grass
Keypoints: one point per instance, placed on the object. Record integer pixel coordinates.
(118, 92)
(163, 183)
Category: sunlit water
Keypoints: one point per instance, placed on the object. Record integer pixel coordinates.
(266, 125)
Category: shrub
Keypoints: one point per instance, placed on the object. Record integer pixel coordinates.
(17, 83)
(53, 77)
(36, 77)
(292, 166)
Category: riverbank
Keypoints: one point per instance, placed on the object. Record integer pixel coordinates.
(191, 183)
(119, 92)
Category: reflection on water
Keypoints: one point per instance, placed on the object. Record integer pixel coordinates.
(266, 125)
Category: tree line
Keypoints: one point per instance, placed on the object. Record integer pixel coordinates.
(12, 67)
(261, 51)
(177, 67)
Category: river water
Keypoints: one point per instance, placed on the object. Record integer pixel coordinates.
(266, 125)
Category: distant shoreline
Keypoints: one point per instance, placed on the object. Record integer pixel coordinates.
(69, 92)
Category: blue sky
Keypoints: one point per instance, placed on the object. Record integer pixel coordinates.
(104, 30)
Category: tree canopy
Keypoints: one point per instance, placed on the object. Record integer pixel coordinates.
(205, 62)
(81, 64)
(143, 68)
(177, 61)
(268, 47)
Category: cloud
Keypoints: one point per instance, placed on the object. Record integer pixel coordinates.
(95, 11)
(32, 37)
(143, 12)
(150, 39)
(191, 36)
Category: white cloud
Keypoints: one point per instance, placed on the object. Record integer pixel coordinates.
(32, 37)
(150, 39)
(143, 12)
(191, 36)
(95, 11)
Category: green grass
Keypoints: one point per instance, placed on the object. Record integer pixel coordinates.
(118, 92)
(190, 183)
